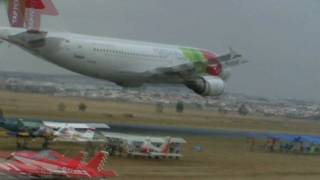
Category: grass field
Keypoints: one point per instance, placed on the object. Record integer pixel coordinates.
(221, 159)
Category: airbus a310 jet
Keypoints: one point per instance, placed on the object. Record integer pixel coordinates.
(127, 63)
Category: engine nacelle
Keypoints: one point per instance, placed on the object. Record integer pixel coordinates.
(207, 86)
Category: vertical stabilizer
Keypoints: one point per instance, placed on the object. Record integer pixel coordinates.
(166, 146)
(26, 13)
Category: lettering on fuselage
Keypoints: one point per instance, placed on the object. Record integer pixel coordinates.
(167, 53)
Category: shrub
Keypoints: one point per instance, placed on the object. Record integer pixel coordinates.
(159, 107)
(180, 107)
(82, 107)
(243, 110)
(61, 107)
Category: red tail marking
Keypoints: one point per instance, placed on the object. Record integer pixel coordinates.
(166, 147)
(35, 4)
(16, 13)
(34, 15)
(97, 163)
(27, 13)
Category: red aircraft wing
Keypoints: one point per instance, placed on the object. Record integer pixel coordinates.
(54, 164)
(16, 168)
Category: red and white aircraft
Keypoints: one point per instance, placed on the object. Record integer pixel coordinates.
(51, 164)
(148, 147)
(154, 150)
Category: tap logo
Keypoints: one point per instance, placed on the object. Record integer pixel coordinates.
(16, 13)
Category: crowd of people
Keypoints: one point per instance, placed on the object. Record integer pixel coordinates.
(286, 144)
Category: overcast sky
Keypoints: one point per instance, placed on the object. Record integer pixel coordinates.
(279, 37)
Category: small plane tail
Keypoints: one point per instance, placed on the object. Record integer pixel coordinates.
(26, 13)
(98, 162)
(166, 146)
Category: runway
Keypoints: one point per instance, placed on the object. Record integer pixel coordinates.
(195, 132)
(188, 131)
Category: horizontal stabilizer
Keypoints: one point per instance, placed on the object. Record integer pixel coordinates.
(33, 38)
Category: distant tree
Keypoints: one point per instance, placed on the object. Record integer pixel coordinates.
(243, 110)
(61, 107)
(222, 110)
(159, 107)
(180, 107)
(82, 107)
(1, 113)
(128, 115)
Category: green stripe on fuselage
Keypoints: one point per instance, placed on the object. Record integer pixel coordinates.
(197, 58)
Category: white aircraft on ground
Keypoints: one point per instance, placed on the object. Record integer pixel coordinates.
(145, 146)
(69, 134)
(127, 63)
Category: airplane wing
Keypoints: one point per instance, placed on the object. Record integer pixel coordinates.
(18, 169)
(232, 59)
(174, 74)
(183, 70)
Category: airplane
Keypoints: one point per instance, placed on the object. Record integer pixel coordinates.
(69, 134)
(143, 146)
(124, 62)
(53, 165)
(21, 128)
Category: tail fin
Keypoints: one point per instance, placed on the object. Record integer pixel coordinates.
(166, 147)
(97, 163)
(27, 13)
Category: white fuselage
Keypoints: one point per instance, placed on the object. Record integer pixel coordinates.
(105, 58)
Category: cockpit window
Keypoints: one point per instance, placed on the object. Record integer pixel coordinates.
(51, 155)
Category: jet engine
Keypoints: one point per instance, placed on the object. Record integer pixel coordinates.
(207, 86)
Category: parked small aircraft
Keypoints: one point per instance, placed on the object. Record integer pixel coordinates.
(143, 146)
(51, 164)
(69, 134)
(25, 129)
(154, 150)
